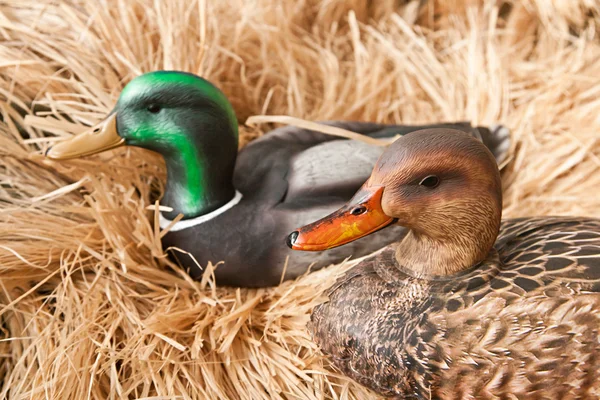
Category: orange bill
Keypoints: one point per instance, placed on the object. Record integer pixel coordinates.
(361, 216)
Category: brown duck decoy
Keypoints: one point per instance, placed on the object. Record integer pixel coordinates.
(464, 306)
(237, 207)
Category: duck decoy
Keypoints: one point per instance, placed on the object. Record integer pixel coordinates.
(465, 305)
(236, 208)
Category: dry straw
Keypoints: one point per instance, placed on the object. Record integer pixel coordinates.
(90, 306)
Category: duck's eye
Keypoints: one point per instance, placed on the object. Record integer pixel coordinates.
(430, 181)
(358, 210)
(153, 108)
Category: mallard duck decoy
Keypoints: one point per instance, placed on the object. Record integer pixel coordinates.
(237, 208)
(464, 306)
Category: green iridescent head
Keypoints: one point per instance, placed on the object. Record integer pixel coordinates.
(159, 109)
(188, 121)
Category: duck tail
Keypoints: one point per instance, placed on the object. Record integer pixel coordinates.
(496, 137)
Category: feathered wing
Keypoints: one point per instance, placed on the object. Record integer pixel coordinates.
(526, 323)
(289, 164)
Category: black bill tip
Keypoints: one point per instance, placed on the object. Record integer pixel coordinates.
(291, 239)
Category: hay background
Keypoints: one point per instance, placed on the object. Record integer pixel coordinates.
(89, 306)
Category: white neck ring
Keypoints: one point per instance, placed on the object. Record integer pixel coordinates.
(188, 223)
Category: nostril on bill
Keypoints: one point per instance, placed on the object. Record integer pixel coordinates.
(291, 239)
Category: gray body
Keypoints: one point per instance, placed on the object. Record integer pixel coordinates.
(288, 178)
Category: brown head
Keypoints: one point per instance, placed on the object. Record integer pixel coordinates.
(442, 184)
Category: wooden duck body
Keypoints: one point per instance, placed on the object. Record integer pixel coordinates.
(288, 178)
(524, 324)
(238, 207)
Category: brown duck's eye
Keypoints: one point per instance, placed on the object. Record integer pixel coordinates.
(358, 210)
(154, 108)
(430, 181)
